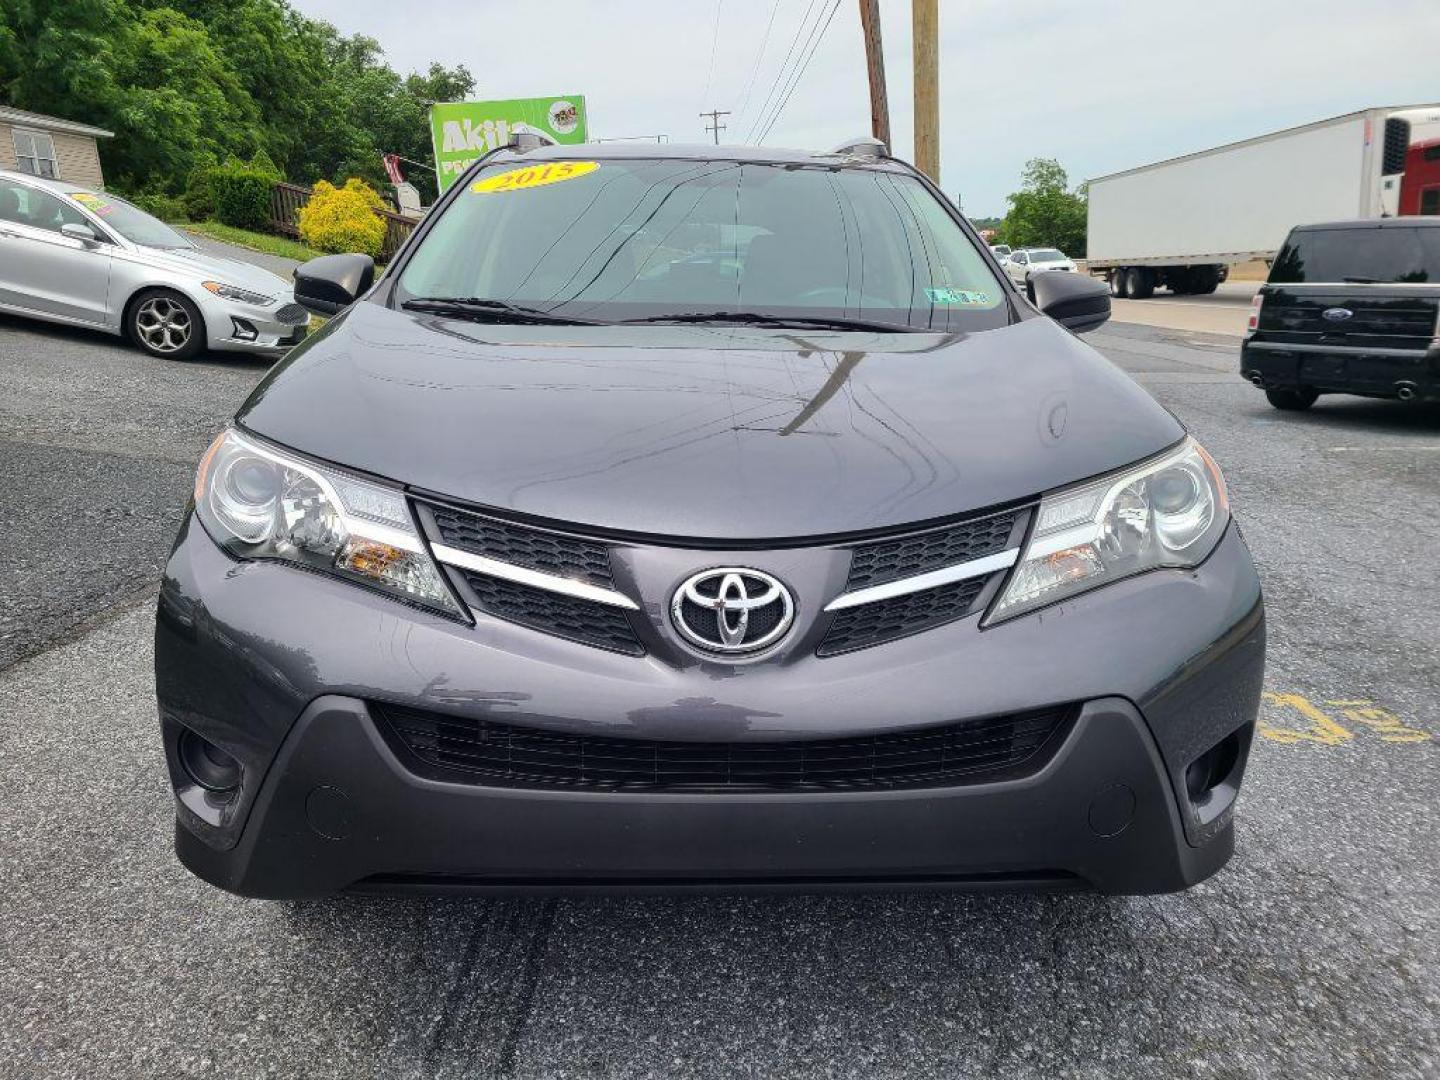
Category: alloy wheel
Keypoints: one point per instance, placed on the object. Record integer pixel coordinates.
(163, 324)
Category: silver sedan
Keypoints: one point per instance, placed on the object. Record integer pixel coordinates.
(72, 255)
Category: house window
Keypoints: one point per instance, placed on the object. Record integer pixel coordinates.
(35, 153)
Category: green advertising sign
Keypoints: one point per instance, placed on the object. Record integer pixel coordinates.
(465, 130)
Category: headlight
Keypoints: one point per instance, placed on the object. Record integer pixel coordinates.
(234, 292)
(1168, 512)
(259, 503)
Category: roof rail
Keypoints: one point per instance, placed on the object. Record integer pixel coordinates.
(864, 146)
(526, 140)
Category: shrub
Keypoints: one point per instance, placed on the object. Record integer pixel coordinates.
(343, 219)
(242, 196)
(262, 162)
(199, 197)
(165, 207)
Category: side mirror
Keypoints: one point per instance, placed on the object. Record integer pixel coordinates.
(80, 231)
(1076, 301)
(333, 282)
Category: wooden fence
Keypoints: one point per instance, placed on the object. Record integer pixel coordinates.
(287, 199)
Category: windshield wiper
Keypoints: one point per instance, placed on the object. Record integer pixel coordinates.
(756, 318)
(479, 308)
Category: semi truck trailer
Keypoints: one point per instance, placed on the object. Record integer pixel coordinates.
(1181, 224)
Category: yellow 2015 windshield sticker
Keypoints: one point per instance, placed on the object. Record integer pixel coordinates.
(534, 176)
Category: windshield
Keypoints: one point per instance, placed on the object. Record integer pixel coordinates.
(1359, 255)
(613, 240)
(1046, 255)
(130, 221)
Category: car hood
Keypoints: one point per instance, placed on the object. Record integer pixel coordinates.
(717, 433)
(218, 268)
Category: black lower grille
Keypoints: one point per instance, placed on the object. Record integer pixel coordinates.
(886, 620)
(504, 755)
(292, 315)
(585, 621)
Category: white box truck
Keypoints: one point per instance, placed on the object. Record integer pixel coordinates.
(1183, 223)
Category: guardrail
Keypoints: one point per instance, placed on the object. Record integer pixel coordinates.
(286, 200)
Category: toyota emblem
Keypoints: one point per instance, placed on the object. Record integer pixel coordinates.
(732, 610)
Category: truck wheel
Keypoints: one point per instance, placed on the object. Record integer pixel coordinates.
(1182, 280)
(1292, 400)
(1139, 283)
(1207, 279)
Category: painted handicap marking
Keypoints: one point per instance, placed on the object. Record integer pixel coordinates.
(1289, 719)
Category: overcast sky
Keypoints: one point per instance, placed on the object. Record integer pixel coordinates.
(1101, 84)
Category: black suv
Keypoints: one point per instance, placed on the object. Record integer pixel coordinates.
(1350, 307)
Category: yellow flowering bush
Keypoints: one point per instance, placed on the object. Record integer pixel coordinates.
(344, 218)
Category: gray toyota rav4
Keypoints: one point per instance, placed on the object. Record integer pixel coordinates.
(703, 518)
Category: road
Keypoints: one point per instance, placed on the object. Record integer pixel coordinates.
(1313, 954)
(1223, 312)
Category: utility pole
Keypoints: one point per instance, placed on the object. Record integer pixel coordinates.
(715, 125)
(875, 65)
(925, 18)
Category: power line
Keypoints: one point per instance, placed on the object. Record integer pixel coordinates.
(780, 74)
(714, 42)
(802, 61)
(755, 68)
(800, 72)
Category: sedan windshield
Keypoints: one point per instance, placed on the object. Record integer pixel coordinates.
(130, 221)
(713, 241)
(1046, 255)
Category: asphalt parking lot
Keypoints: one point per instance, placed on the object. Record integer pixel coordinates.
(1315, 953)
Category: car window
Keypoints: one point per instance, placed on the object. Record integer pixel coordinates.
(1021, 257)
(1046, 255)
(130, 221)
(25, 205)
(1364, 254)
(635, 238)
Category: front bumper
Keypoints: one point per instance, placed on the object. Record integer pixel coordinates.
(1413, 374)
(236, 327)
(275, 666)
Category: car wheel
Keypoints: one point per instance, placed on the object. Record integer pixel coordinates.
(166, 324)
(1292, 400)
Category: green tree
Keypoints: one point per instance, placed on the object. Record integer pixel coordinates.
(190, 83)
(1045, 213)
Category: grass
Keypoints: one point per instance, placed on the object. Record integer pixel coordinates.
(262, 242)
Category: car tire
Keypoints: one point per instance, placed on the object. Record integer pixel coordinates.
(166, 324)
(1292, 400)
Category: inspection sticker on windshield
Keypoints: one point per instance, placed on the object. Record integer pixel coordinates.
(957, 296)
(534, 176)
